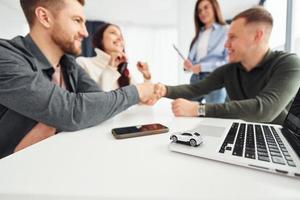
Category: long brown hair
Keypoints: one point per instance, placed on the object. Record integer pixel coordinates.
(198, 24)
(98, 43)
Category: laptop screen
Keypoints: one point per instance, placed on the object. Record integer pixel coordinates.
(291, 126)
(292, 121)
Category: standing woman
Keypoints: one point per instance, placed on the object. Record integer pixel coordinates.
(207, 51)
(109, 67)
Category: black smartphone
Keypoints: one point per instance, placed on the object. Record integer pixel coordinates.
(122, 67)
(139, 130)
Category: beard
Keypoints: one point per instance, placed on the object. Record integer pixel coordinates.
(65, 42)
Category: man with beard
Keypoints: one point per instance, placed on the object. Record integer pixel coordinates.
(42, 89)
(260, 82)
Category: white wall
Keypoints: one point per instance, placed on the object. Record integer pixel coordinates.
(142, 12)
(296, 28)
(277, 40)
(12, 21)
(186, 32)
(296, 22)
(231, 7)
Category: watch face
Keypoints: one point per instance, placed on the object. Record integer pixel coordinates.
(201, 110)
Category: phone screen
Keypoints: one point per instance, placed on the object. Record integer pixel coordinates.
(140, 130)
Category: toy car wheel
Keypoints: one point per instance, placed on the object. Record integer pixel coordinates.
(174, 138)
(193, 143)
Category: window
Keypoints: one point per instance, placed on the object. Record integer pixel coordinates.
(278, 36)
(296, 28)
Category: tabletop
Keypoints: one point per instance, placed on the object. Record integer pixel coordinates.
(92, 164)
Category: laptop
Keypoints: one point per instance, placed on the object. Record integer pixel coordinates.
(267, 147)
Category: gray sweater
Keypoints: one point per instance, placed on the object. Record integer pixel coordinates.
(262, 95)
(27, 95)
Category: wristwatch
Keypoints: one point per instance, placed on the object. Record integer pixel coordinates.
(201, 110)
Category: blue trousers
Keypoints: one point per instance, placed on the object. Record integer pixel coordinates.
(216, 96)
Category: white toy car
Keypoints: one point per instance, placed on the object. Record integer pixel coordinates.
(194, 139)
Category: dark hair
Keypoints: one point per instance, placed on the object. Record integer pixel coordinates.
(256, 14)
(97, 41)
(29, 7)
(198, 24)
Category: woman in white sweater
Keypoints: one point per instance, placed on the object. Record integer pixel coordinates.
(109, 67)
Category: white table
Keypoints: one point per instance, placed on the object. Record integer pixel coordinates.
(91, 164)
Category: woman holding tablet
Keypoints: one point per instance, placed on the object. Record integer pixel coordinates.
(207, 51)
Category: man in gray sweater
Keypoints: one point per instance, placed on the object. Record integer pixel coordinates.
(42, 89)
(260, 83)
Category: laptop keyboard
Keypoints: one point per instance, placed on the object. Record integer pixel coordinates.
(254, 141)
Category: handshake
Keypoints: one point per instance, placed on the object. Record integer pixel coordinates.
(150, 93)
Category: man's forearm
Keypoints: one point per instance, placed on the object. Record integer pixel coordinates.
(213, 82)
(257, 110)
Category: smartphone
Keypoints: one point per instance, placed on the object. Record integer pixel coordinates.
(139, 130)
(122, 67)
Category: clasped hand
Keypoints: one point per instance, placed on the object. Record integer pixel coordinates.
(150, 93)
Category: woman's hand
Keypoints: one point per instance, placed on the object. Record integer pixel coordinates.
(196, 69)
(117, 58)
(187, 65)
(144, 69)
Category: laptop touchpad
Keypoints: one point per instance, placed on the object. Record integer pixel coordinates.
(212, 131)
